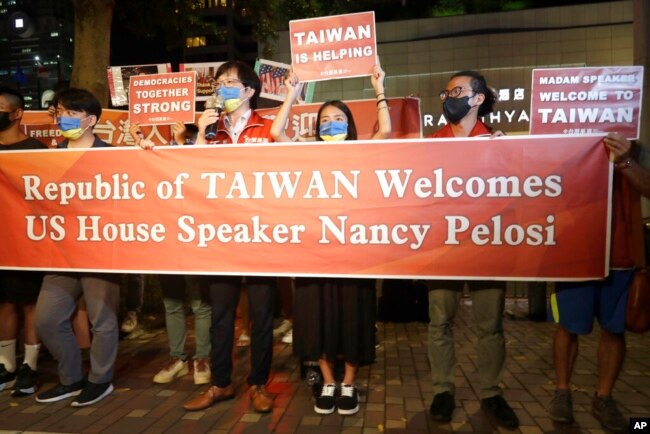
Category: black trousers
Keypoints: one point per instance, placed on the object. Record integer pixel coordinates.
(224, 295)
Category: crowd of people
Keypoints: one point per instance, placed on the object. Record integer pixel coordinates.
(328, 320)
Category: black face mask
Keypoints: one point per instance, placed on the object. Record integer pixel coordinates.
(456, 109)
(4, 120)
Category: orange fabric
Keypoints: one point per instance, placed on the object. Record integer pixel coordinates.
(364, 208)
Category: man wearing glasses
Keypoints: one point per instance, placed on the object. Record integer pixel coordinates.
(238, 87)
(466, 98)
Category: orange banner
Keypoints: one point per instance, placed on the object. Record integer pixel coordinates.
(506, 208)
(113, 127)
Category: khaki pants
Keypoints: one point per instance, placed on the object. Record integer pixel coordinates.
(488, 304)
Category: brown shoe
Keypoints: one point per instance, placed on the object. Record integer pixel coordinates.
(209, 397)
(262, 401)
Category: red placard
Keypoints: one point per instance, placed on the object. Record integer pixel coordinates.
(520, 208)
(587, 100)
(333, 47)
(162, 98)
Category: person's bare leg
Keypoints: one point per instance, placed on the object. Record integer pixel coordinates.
(611, 353)
(565, 352)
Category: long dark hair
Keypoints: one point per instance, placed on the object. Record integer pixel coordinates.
(352, 129)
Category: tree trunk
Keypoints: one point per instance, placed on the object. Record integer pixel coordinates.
(92, 43)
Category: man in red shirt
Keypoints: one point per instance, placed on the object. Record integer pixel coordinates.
(238, 87)
(465, 99)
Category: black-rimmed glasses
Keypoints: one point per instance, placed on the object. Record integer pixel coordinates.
(454, 93)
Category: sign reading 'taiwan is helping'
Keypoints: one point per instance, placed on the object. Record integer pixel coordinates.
(333, 47)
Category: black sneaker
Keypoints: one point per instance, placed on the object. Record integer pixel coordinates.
(60, 392)
(348, 402)
(325, 403)
(6, 378)
(26, 381)
(498, 408)
(606, 411)
(92, 393)
(442, 407)
(561, 407)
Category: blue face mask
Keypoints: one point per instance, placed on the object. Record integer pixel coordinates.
(66, 123)
(231, 98)
(228, 92)
(333, 130)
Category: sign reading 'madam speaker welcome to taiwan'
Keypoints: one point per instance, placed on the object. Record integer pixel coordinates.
(587, 100)
(531, 207)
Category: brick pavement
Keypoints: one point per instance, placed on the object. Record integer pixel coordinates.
(396, 390)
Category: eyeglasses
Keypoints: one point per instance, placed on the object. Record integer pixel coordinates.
(227, 83)
(454, 93)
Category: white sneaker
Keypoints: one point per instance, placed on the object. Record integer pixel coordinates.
(130, 322)
(288, 337)
(174, 368)
(282, 329)
(202, 373)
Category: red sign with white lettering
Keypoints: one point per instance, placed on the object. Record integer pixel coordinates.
(587, 100)
(333, 47)
(160, 99)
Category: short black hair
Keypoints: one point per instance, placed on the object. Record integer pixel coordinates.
(479, 85)
(14, 97)
(247, 76)
(352, 129)
(79, 100)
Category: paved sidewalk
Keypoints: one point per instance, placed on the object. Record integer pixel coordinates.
(396, 390)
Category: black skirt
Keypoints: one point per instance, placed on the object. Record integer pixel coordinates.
(335, 318)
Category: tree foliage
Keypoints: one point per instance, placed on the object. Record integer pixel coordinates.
(173, 20)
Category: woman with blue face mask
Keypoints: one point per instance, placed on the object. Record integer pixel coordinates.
(334, 120)
(334, 318)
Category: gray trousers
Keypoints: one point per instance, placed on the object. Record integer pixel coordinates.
(488, 304)
(175, 288)
(56, 304)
